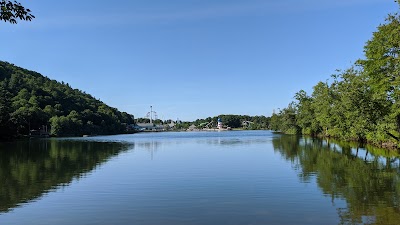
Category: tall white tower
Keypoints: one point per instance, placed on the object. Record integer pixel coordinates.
(219, 123)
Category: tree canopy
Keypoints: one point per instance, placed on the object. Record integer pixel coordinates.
(359, 103)
(30, 101)
(11, 11)
(236, 121)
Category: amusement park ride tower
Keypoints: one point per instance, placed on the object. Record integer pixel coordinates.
(151, 113)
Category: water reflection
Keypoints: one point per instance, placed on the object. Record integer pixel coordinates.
(153, 142)
(205, 178)
(31, 168)
(239, 141)
(366, 178)
(151, 146)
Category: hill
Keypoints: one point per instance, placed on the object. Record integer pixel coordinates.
(31, 101)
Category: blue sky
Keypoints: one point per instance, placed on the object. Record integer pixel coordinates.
(192, 58)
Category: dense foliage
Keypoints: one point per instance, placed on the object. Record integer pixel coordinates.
(236, 121)
(361, 103)
(30, 101)
(11, 11)
(147, 120)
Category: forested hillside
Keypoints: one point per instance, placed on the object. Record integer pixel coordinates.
(360, 103)
(30, 101)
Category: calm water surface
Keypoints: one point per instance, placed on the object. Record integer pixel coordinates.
(237, 177)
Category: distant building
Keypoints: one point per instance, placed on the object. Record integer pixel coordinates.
(172, 124)
(246, 123)
(192, 128)
(148, 127)
(42, 132)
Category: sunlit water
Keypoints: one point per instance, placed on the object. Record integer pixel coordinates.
(236, 177)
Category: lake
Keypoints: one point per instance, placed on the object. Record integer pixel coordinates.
(233, 177)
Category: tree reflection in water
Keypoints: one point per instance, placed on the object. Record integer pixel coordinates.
(366, 178)
(30, 169)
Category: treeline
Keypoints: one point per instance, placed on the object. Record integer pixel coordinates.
(236, 121)
(30, 101)
(232, 121)
(156, 121)
(361, 103)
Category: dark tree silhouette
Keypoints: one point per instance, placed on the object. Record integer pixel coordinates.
(12, 11)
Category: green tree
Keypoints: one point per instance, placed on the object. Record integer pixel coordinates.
(6, 126)
(35, 101)
(361, 103)
(288, 120)
(232, 121)
(322, 104)
(12, 11)
(305, 114)
(357, 112)
(382, 68)
(275, 123)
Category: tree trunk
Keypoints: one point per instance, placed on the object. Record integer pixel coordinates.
(398, 123)
(391, 135)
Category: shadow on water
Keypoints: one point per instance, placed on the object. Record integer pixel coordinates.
(366, 178)
(30, 169)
